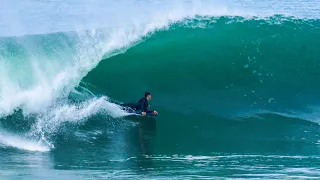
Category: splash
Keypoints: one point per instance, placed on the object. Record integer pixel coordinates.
(21, 143)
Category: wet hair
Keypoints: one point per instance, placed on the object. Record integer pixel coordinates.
(147, 94)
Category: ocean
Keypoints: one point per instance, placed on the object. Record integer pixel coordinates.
(235, 84)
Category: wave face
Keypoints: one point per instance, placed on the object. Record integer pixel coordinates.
(241, 77)
(221, 65)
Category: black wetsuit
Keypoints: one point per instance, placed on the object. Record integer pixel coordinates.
(142, 105)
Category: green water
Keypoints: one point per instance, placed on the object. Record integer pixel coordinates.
(249, 64)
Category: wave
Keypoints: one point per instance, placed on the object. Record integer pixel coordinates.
(38, 70)
(221, 66)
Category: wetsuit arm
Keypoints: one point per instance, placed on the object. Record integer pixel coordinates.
(142, 108)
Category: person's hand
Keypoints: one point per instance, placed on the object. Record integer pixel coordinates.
(143, 113)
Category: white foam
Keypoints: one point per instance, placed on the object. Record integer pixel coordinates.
(50, 120)
(312, 115)
(229, 156)
(314, 172)
(21, 143)
(195, 158)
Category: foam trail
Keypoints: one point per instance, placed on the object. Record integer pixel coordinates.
(21, 143)
(50, 121)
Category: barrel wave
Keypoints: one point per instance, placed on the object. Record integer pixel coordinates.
(220, 66)
(237, 84)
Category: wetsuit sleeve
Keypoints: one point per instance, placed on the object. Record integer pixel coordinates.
(142, 106)
(147, 108)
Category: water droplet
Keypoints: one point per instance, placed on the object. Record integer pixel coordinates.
(271, 99)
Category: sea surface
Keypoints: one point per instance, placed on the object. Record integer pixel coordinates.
(235, 82)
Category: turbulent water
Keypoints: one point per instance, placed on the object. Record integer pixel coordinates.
(235, 84)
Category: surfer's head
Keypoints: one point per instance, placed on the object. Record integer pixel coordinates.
(147, 95)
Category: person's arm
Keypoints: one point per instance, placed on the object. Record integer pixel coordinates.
(147, 108)
(150, 110)
(142, 107)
